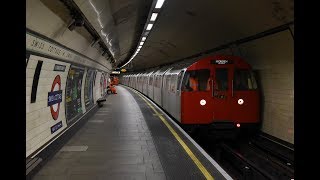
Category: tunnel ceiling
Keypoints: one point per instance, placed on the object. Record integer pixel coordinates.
(183, 27)
(118, 22)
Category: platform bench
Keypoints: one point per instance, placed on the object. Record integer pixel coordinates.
(100, 101)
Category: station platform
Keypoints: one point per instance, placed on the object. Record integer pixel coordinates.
(130, 138)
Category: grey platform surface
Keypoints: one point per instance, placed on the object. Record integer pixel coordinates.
(114, 144)
(125, 140)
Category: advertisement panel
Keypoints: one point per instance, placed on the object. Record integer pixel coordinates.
(73, 93)
(88, 89)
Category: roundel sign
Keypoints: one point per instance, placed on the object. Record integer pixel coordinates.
(55, 97)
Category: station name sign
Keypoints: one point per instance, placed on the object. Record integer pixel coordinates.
(221, 61)
(55, 127)
(54, 97)
(37, 44)
(58, 67)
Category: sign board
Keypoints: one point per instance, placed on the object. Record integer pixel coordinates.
(55, 127)
(55, 97)
(45, 47)
(221, 61)
(58, 67)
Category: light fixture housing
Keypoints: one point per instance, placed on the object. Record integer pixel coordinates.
(153, 16)
(159, 4)
(149, 27)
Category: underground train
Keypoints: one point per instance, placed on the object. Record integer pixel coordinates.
(218, 92)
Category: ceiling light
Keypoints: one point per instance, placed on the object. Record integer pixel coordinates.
(143, 38)
(159, 4)
(141, 43)
(149, 26)
(140, 47)
(153, 16)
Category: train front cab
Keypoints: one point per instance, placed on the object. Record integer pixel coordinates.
(227, 97)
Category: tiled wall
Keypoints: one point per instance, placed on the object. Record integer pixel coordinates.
(38, 114)
(273, 58)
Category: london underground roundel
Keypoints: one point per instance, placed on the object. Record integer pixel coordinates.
(55, 97)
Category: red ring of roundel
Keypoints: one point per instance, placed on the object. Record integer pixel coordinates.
(55, 114)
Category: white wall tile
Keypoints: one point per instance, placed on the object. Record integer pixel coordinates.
(273, 56)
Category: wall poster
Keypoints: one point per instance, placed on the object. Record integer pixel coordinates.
(73, 93)
(88, 88)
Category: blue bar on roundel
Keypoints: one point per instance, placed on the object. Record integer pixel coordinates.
(54, 97)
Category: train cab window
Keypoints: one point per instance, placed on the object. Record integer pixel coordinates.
(221, 83)
(196, 80)
(244, 80)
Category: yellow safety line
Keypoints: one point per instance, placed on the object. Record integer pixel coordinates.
(185, 147)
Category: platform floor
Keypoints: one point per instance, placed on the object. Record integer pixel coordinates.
(127, 139)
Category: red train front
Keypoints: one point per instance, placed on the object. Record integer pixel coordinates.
(220, 91)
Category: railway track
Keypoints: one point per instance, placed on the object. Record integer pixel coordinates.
(256, 158)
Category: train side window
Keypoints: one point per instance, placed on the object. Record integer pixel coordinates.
(221, 83)
(150, 80)
(179, 79)
(185, 82)
(168, 82)
(173, 83)
(158, 81)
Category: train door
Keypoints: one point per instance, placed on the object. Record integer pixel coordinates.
(221, 92)
(178, 94)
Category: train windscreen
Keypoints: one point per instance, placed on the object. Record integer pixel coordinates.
(221, 79)
(196, 80)
(244, 80)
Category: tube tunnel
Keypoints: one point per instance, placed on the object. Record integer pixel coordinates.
(75, 50)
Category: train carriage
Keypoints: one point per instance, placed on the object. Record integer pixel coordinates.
(219, 92)
(158, 85)
(151, 85)
(145, 82)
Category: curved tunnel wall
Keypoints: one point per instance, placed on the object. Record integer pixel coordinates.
(58, 94)
(65, 74)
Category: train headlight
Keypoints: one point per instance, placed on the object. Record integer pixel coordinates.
(203, 102)
(240, 101)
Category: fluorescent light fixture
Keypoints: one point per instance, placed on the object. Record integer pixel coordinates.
(140, 47)
(159, 4)
(149, 26)
(141, 43)
(153, 16)
(138, 50)
(143, 38)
